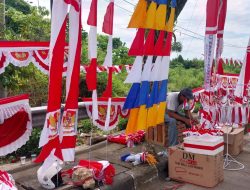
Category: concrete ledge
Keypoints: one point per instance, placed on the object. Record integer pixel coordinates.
(17, 167)
(122, 181)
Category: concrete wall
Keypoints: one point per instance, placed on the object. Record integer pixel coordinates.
(39, 114)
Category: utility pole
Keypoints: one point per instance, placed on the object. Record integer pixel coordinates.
(51, 4)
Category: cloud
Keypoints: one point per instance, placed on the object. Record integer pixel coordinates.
(236, 31)
(192, 17)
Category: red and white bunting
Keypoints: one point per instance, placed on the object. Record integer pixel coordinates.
(15, 123)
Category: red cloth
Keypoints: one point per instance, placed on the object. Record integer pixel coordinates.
(107, 26)
(122, 138)
(149, 44)
(91, 78)
(56, 70)
(108, 90)
(212, 16)
(92, 19)
(167, 47)
(13, 128)
(13, 99)
(106, 176)
(136, 48)
(158, 49)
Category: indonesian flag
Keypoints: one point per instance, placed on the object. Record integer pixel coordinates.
(91, 75)
(108, 29)
(210, 37)
(49, 139)
(69, 120)
(241, 90)
(53, 147)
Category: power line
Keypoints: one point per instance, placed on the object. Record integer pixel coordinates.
(121, 7)
(129, 3)
(225, 44)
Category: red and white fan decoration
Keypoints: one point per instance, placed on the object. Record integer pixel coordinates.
(15, 123)
(6, 181)
(22, 53)
(115, 112)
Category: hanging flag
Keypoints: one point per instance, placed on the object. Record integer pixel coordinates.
(132, 100)
(163, 77)
(108, 29)
(153, 97)
(68, 127)
(150, 16)
(55, 149)
(134, 77)
(138, 18)
(138, 42)
(157, 103)
(107, 26)
(91, 75)
(243, 85)
(143, 96)
(49, 139)
(144, 93)
(161, 14)
(210, 37)
(221, 25)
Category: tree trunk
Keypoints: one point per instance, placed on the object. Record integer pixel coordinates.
(3, 91)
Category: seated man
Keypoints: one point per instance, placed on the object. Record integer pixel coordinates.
(177, 102)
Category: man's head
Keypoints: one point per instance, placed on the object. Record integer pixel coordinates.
(187, 94)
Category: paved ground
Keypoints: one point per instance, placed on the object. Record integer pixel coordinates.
(142, 177)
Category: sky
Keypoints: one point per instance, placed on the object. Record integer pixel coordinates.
(190, 27)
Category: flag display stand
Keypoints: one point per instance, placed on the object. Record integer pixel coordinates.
(231, 163)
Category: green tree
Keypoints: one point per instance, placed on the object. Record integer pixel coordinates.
(24, 22)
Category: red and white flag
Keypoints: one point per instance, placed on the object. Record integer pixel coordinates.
(91, 76)
(68, 129)
(221, 25)
(210, 37)
(54, 147)
(49, 139)
(108, 29)
(243, 85)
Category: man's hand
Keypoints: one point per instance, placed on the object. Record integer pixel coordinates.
(187, 121)
(195, 122)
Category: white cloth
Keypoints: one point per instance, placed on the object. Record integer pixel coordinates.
(173, 104)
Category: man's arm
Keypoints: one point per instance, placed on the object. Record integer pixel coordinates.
(190, 116)
(178, 117)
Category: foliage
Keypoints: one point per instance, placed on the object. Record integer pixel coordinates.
(122, 124)
(179, 77)
(31, 81)
(19, 5)
(176, 46)
(34, 26)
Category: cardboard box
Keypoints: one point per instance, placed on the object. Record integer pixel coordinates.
(235, 140)
(206, 144)
(194, 168)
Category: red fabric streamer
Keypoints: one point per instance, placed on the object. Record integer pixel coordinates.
(136, 48)
(108, 19)
(92, 19)
(91, 78)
